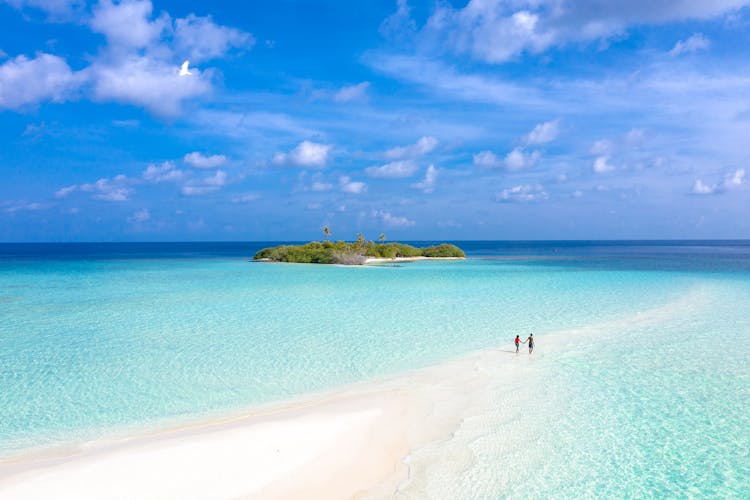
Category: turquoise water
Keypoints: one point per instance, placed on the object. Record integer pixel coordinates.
(93, 345)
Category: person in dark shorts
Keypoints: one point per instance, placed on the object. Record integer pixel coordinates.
(518, 342)
(530, 340)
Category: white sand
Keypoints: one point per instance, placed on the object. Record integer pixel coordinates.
(334, 445)
(378, 260)
(358, 441)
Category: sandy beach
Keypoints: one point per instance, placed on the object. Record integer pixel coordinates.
(342, 444)
(367, 440)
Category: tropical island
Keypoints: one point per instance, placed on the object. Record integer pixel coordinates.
(358, 252)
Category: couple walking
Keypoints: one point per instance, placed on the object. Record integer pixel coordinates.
(530, 340)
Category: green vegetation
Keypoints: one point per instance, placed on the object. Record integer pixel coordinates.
(342, 252)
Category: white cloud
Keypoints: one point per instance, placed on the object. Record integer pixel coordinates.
(399, 24)
(24, 207)
(427, 184)
(700, 188)
(64, 192)
(139, 216)
(391, 220)
(166, 172)
(114, 189)
(26, 82)
(543, 133)
(54, 8)
(127, 25)
(200, 39)
(522, 193)
(601, 165)
(198, 160)
(517, 159)
(197, 187)
(736, 179)
(731, 181)
(487, 159)
(353, 187)
(306, 154)
(497, 31)
(352, 92)
(393, 170)
(140, 64)
(423, 146)
(693, 44)
(148, 82)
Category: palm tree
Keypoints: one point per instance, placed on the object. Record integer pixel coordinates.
(326, 232)
(382, 238)
(360, 239)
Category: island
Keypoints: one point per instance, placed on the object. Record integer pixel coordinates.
(356, 253)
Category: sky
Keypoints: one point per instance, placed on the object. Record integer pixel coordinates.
(447, 120)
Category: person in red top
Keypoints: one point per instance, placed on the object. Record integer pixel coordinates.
(518, 341)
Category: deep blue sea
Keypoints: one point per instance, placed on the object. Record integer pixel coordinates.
(97, 338)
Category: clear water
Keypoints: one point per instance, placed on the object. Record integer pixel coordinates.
(96, 338)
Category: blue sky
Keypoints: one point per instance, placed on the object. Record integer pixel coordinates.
(492, 119)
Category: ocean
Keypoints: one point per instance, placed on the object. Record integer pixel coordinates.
(98, 339)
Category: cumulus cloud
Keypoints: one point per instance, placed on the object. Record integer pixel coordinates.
(200, 39)
(487, 159)
(197, 187)
(518, 159)
(602, 165)
(543, 133)
(735, 179)
(731, 181)
(427, 185)
(127, 24)
(423, 146)
(26, 82)
(354, 187)
(114, 189)
(693, 44)
(148, 82)
(139, 65)
(139, 216)
(393, 170)
(351, 92)
(306, 154)
(391, 220)
(198, 160)
(497, 31)
(522, 193)
(699, 187)
(166, 172)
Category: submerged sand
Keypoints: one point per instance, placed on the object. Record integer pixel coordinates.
(368, 440)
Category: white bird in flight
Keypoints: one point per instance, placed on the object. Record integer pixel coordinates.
(184, 69)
